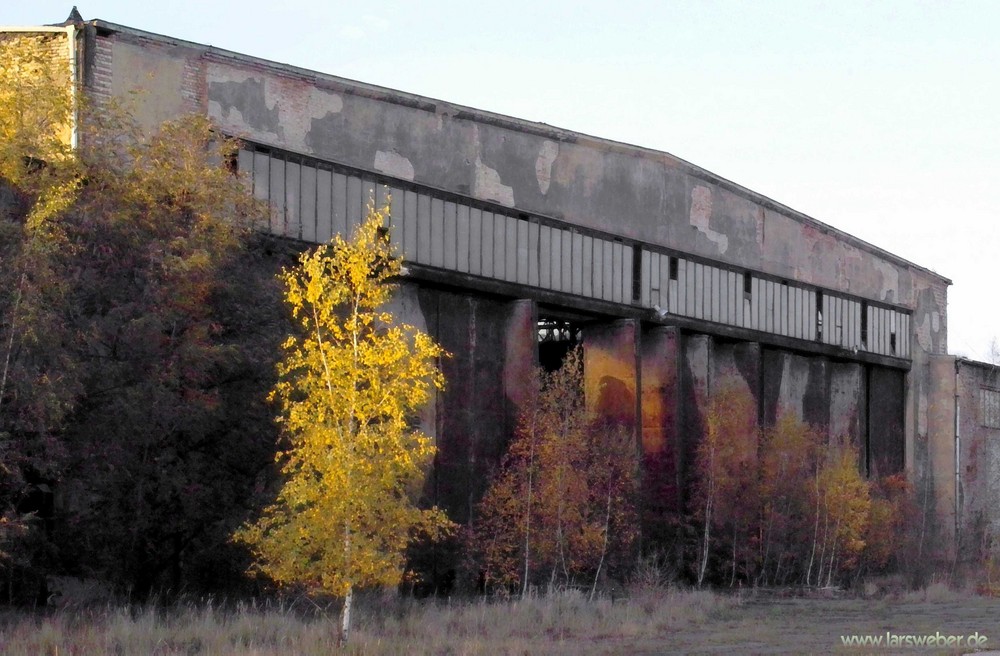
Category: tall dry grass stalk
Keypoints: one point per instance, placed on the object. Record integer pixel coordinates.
(561, 622)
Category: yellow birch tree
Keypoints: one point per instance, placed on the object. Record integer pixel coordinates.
(350, 384)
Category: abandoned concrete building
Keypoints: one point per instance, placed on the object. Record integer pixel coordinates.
(523, 239)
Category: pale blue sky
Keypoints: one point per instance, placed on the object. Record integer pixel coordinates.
(880, 118)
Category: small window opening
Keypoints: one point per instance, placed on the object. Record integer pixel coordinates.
(819, 315)
(892, 342)
(556, 338)
(989, 403)
(747, 284)
(636, 273)
(674, 266)
(864, 324)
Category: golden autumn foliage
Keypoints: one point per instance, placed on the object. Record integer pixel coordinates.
(350, 384)
(793, 508)
(843, 509)
(788, 458)
(36, 116)
(726, 463)
(561, 507)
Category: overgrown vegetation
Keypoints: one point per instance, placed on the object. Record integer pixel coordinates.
(560, 511)
(137, 342)
(796, 507)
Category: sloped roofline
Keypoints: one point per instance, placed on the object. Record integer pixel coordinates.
(346, 85)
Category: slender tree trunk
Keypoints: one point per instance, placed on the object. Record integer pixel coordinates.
(923, 524)
(705, 539)
(604, 547)
(732, 576)
(833, 553)
(822, 549)
(527, 517)
(812, 554)
(10, 342)
(762, 576)
(345, 618)
(833, 559)
(560, 533)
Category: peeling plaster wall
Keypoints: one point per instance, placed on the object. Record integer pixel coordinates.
(639, 194)
(633, 192)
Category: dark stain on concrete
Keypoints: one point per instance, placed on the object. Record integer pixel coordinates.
(816, 399)
(248, 99)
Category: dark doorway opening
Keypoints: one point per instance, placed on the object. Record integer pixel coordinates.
(556, 338)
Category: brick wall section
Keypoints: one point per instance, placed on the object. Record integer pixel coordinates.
(941, 300)
(195, 88)
(53, 42)
(100, 90)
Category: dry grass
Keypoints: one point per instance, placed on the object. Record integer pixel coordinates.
(383, 624)
(653, 620)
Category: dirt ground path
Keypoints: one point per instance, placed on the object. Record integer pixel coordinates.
(816, 626)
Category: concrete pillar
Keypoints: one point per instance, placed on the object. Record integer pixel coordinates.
(736, 363)
(492, 347)
(611, 372)
(796, 385)
(939, 476)
(696, 377)
(520, 352)
(848, 404)
(660, 430)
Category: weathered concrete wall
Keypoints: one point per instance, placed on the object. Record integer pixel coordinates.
(979, 453)
(796, 385)
(848, 402)
(695, 393)
(539, 169)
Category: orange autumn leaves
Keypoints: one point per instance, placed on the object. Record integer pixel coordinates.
(788, 506)
(560, 511)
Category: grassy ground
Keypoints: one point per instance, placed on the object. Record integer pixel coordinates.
(654, 621)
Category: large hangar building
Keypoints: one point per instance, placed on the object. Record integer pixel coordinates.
(523, 239)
